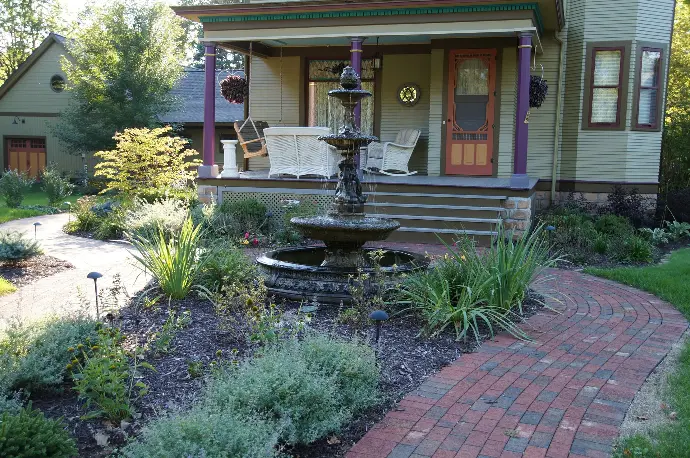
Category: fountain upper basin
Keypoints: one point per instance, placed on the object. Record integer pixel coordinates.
(356, 230)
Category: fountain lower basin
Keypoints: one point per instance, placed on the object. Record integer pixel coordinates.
(298, 274)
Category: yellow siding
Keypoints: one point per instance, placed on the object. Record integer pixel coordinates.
(32, 93)
(508, 91)
(266, 103)
(436, 115)
(394, 116)
(41, 127)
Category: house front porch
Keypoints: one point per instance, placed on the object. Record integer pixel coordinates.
(425, 206)
(468, 64)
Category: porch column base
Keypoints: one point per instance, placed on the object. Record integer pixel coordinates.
(208, 171)
(519, 181)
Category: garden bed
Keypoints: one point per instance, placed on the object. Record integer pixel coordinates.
(405, 357)
(27, 271)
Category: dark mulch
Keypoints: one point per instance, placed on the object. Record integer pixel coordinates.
(406, 360)
(28, 271)
(606, 262)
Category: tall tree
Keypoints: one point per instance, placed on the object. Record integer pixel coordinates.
(675, 164)
(225, 60)
(23, 25)
(125, 59)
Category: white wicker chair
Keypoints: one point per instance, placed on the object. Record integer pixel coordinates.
(392, 158)
(297, 151)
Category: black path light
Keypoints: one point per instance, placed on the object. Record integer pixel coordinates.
(378, 317)
(95, 276)
(36, 224)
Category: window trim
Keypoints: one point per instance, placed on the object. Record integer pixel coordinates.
(661, 88)
(623, 78)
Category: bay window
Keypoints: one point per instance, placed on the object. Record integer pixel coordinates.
(606, 86)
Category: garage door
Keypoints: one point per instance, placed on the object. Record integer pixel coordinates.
(27, 155)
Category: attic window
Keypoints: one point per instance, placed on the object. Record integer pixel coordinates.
(57, 83)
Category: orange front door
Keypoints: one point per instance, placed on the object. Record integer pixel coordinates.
(27, 155)
(470, 122)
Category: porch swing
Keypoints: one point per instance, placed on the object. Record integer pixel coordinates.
(250, 133)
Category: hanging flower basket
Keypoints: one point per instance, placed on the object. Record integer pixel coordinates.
(234, 88)
(538, 88)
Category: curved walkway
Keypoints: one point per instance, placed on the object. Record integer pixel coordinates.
(564, 394)
(60, 293)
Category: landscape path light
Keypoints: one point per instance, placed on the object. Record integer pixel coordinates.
(378, 317)
(36, 224)
(95, 276)
(69, 210)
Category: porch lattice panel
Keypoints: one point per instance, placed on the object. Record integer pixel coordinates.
(278, 203)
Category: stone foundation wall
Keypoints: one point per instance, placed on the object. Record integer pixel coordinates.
(207, 194)
(518, 214)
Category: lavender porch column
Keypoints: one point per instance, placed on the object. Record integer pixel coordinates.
(356, 51)
(209, 169)
(520, 178)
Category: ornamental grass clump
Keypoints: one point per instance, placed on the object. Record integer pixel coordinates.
(173, 261)
(469, 291)
(144, 219)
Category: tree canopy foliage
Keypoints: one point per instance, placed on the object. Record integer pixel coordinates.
(675, 168)
(124, 60)
(23, 25)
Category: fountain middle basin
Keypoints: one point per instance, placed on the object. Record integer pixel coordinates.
(298, 273)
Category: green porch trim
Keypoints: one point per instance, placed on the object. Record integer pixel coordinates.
(382, 12)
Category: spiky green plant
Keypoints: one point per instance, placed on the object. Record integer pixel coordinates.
(174, 262)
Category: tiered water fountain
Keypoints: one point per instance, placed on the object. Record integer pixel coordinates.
(324, 272)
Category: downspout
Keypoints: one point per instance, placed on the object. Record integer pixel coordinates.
(557, 128)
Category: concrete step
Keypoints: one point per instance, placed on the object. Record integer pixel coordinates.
(457, 211)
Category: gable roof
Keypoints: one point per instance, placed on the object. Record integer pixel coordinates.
(26, 65)
(189, 92)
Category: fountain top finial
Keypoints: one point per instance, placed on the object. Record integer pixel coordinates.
(349, 79)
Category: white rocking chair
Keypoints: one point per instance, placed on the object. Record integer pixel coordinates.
(392, 158)
(297, 151)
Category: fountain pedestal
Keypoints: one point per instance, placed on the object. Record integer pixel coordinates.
(324, 273)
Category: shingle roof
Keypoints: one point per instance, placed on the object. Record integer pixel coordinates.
(190, 94)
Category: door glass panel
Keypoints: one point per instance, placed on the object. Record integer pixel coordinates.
(471, 94)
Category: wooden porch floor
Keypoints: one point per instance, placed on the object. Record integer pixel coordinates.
(412, 180)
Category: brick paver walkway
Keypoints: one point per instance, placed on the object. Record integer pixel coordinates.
(564, 394)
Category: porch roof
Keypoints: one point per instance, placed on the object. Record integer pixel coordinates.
(330, 23)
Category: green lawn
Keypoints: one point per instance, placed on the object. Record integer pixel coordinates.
(34, 197)
(670, 282)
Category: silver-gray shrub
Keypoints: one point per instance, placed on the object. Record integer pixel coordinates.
(33, 357)
(144, 218)
(203, 434)
(311, 387)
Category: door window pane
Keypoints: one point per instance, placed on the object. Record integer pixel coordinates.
(472, 77)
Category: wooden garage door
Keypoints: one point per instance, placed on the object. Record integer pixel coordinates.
(27, 155)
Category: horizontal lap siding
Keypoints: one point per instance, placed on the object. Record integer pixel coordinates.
(398, 70)
(32, 93)
(628, 156)
(436, 115)
(265, 104)
(507, 110)
(542, 120)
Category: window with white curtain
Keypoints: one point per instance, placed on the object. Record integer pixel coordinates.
(648, 91)
(324, 111)
(607, 82)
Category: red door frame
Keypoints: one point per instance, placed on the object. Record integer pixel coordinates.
(469, 165)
